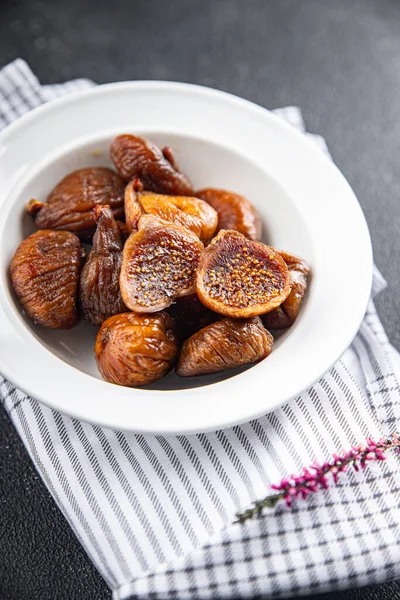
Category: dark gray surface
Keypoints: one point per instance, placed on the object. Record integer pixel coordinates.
(338, 59)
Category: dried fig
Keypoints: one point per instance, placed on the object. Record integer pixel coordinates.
(234, 212)
(240, 278)
(134, 156)
(190, 315)
(134, 350)
(224, 345)
(285, 315)
(192, 213)
(45, 275)
(70, 205)
(158, 265)
(99, 292)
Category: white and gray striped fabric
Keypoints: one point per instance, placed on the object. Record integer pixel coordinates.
(154, 513)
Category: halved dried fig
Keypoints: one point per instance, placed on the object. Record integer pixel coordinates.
(134, 350)
(99, 292)
(158, 265)
(135, 156)
(45, 275)
(70, 205)
(224, 345)
(190, 315)
(285, 315)
(240, 278)
(234, 212)
(192, 213)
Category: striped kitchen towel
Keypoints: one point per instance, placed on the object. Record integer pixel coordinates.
(154, 513)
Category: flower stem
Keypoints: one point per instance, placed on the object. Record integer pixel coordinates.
(315, 478)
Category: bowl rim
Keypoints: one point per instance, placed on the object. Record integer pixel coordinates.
(191, 423)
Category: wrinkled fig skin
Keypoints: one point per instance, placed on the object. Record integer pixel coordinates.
(45, 275)
(135, 350)
(234, 212)
(224, 345)
(190, 315)
(192, 213)
(70, 205)
(285, 315)
(123, 229)
(158, 265)
(99, 292)
(240, 278)
(134, 156)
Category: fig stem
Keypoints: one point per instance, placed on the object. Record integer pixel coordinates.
(168, 153)
(34, 206)
(137, 184)
(98, 209)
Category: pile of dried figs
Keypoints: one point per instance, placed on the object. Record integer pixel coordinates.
(172, 276)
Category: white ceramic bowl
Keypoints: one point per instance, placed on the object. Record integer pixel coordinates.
(307, 208)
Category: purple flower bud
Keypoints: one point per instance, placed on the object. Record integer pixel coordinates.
(323, 482)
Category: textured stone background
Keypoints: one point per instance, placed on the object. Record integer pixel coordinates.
(338, 60)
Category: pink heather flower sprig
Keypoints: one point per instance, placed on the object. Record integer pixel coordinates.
(315, 477)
